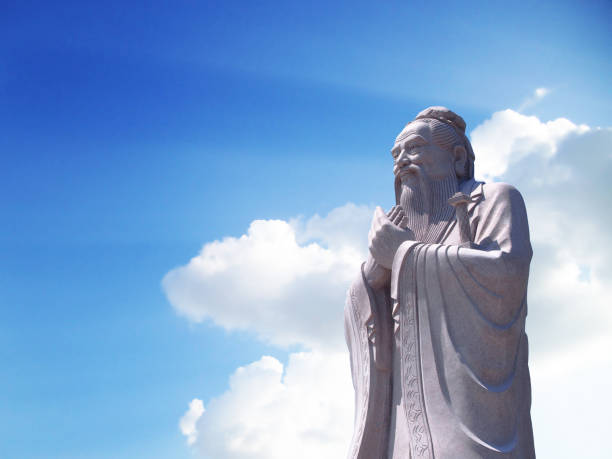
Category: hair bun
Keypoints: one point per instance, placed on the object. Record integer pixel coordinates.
(445, 115)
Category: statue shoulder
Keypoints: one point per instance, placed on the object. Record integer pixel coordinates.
(502, 217)
(501, 192)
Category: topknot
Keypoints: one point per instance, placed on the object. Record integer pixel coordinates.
(445, 115)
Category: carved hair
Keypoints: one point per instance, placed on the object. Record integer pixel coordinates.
(447, 130)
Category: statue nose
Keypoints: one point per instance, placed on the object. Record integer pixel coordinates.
(402, 158)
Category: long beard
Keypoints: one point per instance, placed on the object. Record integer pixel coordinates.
(425, 204)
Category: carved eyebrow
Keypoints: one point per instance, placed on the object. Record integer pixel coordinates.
(415, 141)
(412, 141)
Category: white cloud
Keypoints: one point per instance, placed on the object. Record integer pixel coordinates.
(284, 280)
(536, 97)
(342, 228)
(563, 171)
(571, 400)
(569, 230)
(508, 136)
(305, 412)
(539, 93)
(187, 424)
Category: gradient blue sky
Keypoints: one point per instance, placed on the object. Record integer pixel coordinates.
(133, 132)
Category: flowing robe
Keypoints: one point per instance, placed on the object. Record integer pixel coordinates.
(439, 359)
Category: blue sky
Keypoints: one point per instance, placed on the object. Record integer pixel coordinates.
(133, 133)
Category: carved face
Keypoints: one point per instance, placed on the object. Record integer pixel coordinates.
(416, 154)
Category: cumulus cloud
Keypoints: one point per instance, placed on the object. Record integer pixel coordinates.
(562, 170)
(187, 424)
(302, 411)
(571, 402)
(572, 245)
(342, 228)
(287, 281)
(508, 137)
(284, 280)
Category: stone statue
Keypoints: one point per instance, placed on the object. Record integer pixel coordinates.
(435, 322)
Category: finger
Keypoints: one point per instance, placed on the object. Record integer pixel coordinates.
(398, 217)
(393, 213)
(403, 222)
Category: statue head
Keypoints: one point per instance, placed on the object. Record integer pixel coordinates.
(433, 144)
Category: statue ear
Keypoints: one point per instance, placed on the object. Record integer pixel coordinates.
(460, 160)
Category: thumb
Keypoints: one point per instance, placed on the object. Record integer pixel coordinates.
(380, 213)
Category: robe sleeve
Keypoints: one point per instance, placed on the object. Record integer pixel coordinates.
(369, 331)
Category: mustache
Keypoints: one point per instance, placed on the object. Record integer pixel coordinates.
(407, 166)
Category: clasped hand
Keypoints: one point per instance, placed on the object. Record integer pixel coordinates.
(387, 233)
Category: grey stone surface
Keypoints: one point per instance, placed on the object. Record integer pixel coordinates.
(435, 321)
